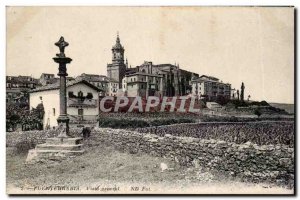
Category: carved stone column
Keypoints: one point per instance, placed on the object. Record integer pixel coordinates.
(62, 60)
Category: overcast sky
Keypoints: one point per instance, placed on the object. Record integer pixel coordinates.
(235, 44)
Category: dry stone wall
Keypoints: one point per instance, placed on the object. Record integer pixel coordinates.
(33, 137)
(251, 162)
(255, 163)
(268, 132)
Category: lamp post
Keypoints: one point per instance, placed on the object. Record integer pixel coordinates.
(62, 60)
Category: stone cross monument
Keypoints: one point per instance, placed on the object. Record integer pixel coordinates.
(62, 60)
(62, 146)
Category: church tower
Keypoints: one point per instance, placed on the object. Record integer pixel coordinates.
(116, 70)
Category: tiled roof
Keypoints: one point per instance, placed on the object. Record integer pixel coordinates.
(20, 79)
(55, 86)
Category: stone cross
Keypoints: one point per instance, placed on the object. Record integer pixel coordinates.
(62, 44)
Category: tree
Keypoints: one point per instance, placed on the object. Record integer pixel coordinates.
(242, 91)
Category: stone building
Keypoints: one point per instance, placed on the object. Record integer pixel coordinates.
(175, 81)
(113, 88)
(46, 79)
(233, 94)
(148, 79)
(100, 81)
(108, 86)
(143, 84)
(210, 88)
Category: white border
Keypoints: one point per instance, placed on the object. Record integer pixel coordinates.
(5, 3)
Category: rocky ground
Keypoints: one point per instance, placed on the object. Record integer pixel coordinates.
(104, 170)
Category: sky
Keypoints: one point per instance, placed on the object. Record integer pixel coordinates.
(254, 45)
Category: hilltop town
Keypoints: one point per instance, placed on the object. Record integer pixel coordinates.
(85, 91)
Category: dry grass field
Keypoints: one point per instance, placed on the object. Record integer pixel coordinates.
(104, 170)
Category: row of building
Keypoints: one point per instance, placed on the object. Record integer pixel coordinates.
(145, 80)
(83, 91)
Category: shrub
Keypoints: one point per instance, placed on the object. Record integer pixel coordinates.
(140, 123)
(257, 112)
(122, 123)
(238, 103)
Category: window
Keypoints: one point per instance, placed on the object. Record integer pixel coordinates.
(53, 111)
(70, 94)
(80, 111)
(80, 94)
(89, 95)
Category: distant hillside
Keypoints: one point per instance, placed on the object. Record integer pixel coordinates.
(288, 107)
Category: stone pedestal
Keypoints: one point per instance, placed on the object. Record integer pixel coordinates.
(56, 149)
(63, 123)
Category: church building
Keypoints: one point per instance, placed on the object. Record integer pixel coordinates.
(148, 79)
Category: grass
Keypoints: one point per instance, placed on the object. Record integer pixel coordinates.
(98, 163)
(103, 165)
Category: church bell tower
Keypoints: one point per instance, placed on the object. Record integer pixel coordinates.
(116, 70)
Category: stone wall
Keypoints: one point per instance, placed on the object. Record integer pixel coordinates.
(251, 162)
(271, 163)
(262, 133)
(33, 137)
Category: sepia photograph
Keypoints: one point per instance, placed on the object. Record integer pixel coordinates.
(115, 100)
